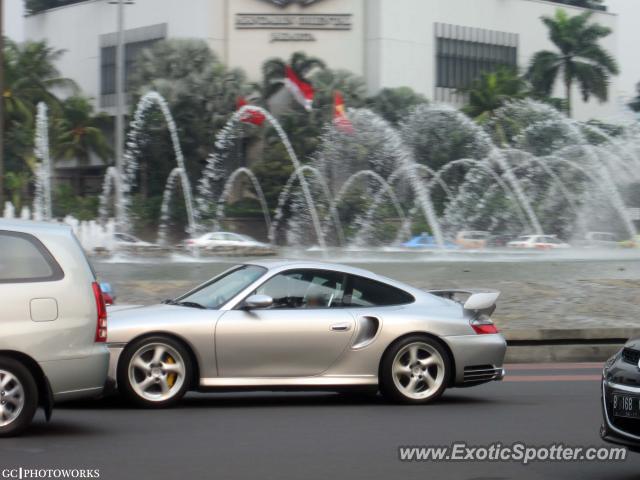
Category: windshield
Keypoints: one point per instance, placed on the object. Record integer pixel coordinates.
(222, 289)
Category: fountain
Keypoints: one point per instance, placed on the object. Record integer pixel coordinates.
(133, 149)
(526, 163)
(214, 170)
(257, 188)
(42, 202)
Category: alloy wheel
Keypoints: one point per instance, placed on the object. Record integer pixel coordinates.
(12, 399)
(157, 372)
(418, 370)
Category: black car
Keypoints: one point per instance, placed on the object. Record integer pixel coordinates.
(621, 397)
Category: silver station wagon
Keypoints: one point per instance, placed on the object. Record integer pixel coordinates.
(53, 323)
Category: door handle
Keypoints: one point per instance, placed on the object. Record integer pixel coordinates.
(341, 327)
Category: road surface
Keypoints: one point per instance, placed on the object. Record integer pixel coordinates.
(327, 435)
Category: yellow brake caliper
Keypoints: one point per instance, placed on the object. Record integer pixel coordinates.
(172, 377)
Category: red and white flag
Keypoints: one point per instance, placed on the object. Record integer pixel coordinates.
(301, 90)
(340, 119)
(250, 115)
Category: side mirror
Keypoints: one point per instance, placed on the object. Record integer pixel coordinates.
(258, 301)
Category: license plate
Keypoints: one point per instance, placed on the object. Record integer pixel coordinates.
(626, 406)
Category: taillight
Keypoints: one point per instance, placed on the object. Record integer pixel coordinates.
(483, 325)
(101, 322)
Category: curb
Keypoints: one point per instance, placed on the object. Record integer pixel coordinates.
(565, 345)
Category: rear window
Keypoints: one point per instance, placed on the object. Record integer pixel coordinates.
(23, 258)
(363, 292)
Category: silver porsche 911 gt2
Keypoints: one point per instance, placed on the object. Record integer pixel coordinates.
(280, 325)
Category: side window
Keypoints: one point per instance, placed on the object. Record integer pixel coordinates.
(363, 292)
(305, 289)
(25, 259)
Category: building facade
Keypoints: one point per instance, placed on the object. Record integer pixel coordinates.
(436, 47)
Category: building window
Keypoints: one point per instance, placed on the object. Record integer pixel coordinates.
(460, 62)
(464, 53)
(135, 40)
(108, 64)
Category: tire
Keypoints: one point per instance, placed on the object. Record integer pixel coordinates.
(155, 372)
(415, 370)
(18, 397)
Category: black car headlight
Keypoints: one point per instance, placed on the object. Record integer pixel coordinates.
(609, 363)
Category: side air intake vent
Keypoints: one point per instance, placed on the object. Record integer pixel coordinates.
(367, 330)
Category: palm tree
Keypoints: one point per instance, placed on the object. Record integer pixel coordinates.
(491, 91)
(273, 71)
(30, 77)
(78, 133)
(580, 58)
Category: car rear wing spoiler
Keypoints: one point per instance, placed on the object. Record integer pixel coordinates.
(476, 301)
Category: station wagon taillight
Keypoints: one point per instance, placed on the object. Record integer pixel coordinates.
(101, 322)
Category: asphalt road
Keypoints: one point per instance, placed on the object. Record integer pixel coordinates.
(326, 435)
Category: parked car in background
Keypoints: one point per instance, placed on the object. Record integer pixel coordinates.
(127, 243)
(223, 239)
(600, 240)
(53, 323)
(128, 240)
(500, 240)
(539, 242)
(631, 243)
(305, 325)
(472, 239)
(426, 241)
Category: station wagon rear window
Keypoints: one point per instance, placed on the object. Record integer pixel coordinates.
(23, 258)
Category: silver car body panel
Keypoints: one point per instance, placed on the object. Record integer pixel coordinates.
(63, 344)
(305, 347)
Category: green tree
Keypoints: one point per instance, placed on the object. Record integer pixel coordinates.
(30, 77)
(273, 71)
(491, 91)
(580, 58)
(201, 93)
(635, 103)
(394, 104)
(78, 133)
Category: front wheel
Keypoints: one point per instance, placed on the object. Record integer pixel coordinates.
(415, 370)
(18, 397)
(155, 372)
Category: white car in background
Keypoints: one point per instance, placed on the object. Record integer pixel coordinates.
(128, 240)
(601, 240)
(539, 242)
(223, 239)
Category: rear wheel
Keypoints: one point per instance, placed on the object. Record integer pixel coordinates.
(18, 397)
(155, 372)
(415, 370)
